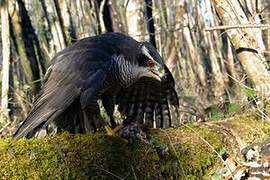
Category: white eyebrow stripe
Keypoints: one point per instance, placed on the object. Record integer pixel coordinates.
(146, 52)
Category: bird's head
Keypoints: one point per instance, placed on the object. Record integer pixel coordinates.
(150, 62)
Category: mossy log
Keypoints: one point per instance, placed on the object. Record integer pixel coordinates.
(188, 152)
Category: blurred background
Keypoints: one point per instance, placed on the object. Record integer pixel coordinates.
(212, 80)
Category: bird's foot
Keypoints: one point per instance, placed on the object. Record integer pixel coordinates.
(113, 131)
(133, 133)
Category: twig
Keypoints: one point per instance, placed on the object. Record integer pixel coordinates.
(135, 177)
(4, 127)
(214, 28)
(100, 15)
(104, 170)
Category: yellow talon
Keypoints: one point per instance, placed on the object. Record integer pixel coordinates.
(109, 130)
(112, 132)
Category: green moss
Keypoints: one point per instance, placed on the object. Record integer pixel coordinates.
(75, 157)
(99, 156)
(189, 152)
(195, 155)
(249, 127)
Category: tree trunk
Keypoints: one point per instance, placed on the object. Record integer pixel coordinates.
(245, 44)
(61, 21)
(194, 55)
(214, 55)
(28, 47)
(42, 25)
(150, 22)
(5, 32)
(117, 15)
(66, 18)
(266, 33)
(58, 41)
(104, 16)
(135, 19)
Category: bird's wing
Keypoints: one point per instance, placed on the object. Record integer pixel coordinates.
(78, 75)
(149, 101)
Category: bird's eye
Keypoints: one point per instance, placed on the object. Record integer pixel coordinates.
(150, 63)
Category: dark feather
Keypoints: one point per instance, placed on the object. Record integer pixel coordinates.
(148, 101)
(74, 73)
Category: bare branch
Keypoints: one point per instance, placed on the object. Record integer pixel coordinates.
(214, 28)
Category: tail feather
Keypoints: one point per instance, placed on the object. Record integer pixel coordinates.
(50, 104)
(35, 121)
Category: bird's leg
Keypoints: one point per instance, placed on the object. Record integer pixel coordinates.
(112, 132)
(113, 128)
(92, 120)
(108, 104)
(129, 130)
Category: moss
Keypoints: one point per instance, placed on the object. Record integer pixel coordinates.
(75, 157)
(249, 127)
(98, 156)
(193, 155)
(189, 152)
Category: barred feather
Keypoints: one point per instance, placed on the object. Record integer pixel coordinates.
(148, 101)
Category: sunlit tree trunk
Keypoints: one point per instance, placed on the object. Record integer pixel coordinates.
(28, 47)
(6, 60)
(91, 19)
(57, 37)
(61, 21)
(253, 10)
(135, 19)
(150, 21)
(104, 16)
(117, 15)
(245, 44)
(43, 25)
(266, 20)
(195, 57)
(66, 17)
(215, 57)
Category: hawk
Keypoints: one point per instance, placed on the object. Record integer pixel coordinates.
(113, 68)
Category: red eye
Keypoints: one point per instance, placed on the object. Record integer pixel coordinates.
(150, 63)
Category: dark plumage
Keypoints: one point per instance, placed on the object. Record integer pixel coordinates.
(111, 67)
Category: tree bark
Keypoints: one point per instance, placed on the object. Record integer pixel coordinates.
(28, 47)
(116, 9)
(245, 44)
(5, 33)
(53, 20)
(266, 33)
(104, 16)
(150, 22)
(66, 18)
(42, 25)
(61, 21)
(135, 19)
(194, 56)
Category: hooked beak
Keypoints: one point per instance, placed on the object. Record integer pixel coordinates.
(156, 73)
